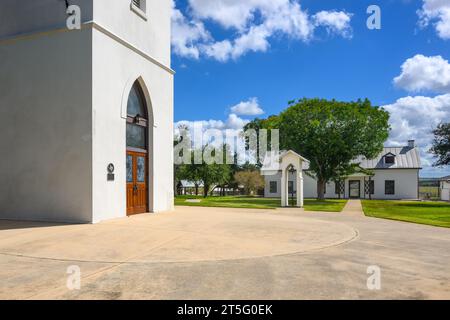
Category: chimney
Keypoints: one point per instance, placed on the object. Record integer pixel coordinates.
(411, 144)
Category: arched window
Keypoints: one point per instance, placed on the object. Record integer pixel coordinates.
(137, 119)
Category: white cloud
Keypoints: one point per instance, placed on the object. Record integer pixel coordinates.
(229, 14)
(233, 125)
(416, 118)
(233, 122)
(254, 23)
(422, 73)
(185, 35)
(335, 22)
(436, 12)
(202, 131)
(248, 108)
(221, 51)
(236, 123)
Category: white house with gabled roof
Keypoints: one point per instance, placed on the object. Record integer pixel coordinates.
(395, 176)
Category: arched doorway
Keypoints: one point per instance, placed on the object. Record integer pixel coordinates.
(137, 157)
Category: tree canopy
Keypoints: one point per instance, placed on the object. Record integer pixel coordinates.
(331, 134)
(252, 180)
(208, 174)
(441, 144)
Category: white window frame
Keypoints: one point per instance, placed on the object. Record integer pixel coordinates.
(140, 11)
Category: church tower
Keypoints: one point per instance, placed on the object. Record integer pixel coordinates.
(86, 109)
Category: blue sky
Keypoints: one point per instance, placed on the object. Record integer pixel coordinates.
(256, 55)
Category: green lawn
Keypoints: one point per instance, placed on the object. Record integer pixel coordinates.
(431, 213)
(258, 203)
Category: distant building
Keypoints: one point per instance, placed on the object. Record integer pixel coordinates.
(396, 176)
(445, 188)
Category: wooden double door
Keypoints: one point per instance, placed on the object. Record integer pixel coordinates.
(137, 182)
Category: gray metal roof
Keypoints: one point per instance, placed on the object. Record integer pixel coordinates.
(447, 178)
(405, 158)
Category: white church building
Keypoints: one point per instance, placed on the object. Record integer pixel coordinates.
(394, 174)
(86, 115)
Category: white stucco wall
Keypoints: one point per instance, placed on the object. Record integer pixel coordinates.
(310, 186)
(45, 121)
(63, 107)
(406, 185)
(31, 16)
(445, 190)
(115, 68)
(151, 35)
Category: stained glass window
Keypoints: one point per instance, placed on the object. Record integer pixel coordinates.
(129, 168)
(136, 110)
(136, 104)
(136, 136)
(141, 169)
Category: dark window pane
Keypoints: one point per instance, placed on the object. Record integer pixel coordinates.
(390, 160)
(141, 169)
(136, 136)
(136, 105)
(273, 187)
(389, 187)
(129, 168)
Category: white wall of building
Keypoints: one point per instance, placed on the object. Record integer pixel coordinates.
(445, 190)
(406, 185)
(151, 35)
(45, 121)
(63, 107)
(31, 16)
(115, 69)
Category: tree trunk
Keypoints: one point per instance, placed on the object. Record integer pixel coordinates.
(320, 189)
(205, 190)
(196, 189)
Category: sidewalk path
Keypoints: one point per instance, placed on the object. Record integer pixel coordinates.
(353, 207)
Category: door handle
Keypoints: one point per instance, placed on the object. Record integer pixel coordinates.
(135, 188)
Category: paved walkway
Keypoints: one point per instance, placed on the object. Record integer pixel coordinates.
(353, 207)
(214, 253)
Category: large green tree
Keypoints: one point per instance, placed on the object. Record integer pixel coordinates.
(331, 134)
(208, 174)
(441, 144)
(251, 180)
